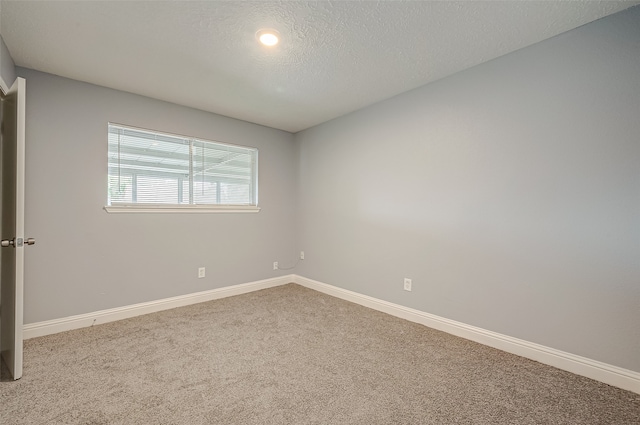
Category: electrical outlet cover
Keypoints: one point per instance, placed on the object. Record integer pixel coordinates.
(407, 284)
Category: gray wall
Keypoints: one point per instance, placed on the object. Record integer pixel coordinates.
(7, 67)
(86, 259)
(509, 193)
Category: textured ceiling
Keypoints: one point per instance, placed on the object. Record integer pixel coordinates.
(334, 57)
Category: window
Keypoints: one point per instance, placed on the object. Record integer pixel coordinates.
(151, 171)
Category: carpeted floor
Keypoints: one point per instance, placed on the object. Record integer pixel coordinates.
(290, 355)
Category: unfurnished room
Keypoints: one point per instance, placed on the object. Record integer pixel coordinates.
(320, 212)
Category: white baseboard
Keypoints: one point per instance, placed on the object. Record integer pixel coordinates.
(603, 372)
(49, 327)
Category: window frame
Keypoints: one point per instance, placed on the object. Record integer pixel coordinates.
(128, 207)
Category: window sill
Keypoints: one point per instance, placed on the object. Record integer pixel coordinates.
(189, 209)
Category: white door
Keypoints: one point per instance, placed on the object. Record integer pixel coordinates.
(12, 226)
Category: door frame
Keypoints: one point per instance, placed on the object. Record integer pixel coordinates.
(3, 86)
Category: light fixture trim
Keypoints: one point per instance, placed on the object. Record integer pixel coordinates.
(268, 37)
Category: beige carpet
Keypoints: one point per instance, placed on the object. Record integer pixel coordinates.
(290, 355)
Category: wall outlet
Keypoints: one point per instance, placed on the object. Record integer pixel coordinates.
(302, 255)
(275, 265)
(407, 284)
(200, 272)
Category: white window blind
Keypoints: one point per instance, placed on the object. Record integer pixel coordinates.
(147, 167)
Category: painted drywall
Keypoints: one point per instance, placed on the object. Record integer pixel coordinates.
(86, 259)
(508, 193)
(7, 67)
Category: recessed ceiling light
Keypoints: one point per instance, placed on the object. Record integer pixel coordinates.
(268, 37)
